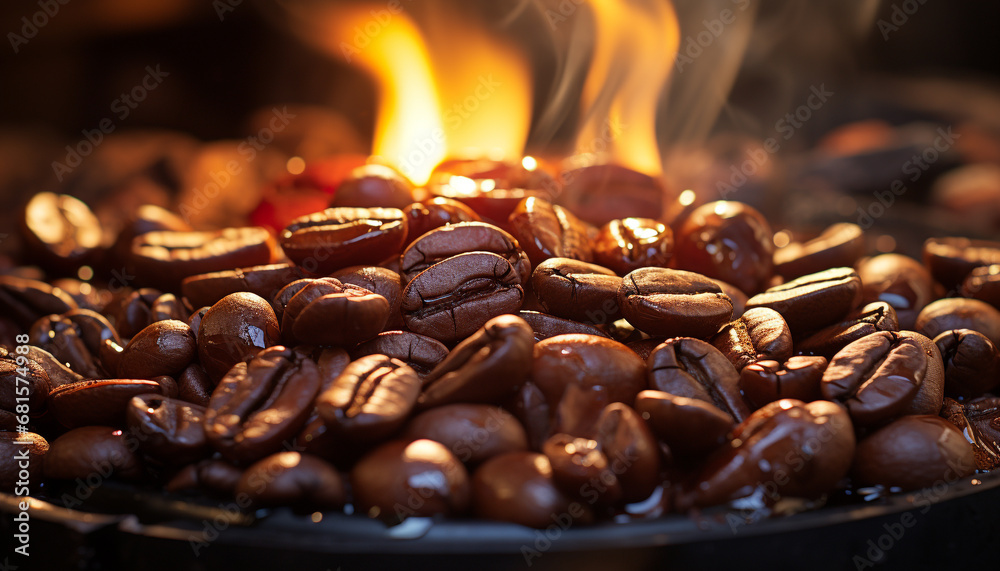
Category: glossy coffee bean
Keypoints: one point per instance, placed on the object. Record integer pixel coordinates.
(632, 243)
(600, 193)
(688, 426)
(20, 454)
(422, 217)
(293, 479)
(194, 385)
(872, 318)
(692, 368)
(736, 296)
(260, 404)
(913, 452)
(213, 475)
(950, 260)
(97, 402)
(453, 298)
(131, 312)
(898, 280)
(420, 352)
(162, 348)
(631, 449)
(22, 378)
(401, 479)
(165, 258)
(661, 301)
(167, 306)
(486, 367)
(60, 231)
(797, 378)
(374, 185)
(315, 304)
(983, 283)
(760, 334)
(92, 450)
(61, 337)
(25, 301)
(544, 325)
(378, 280)
(57, 373)
(576, 462)
(335, 238)
(959, 313)
(237, 327)
(169, 431)
(474, 433)
(813, 301)
(840, 245)
(577, 290)
(145, 218)
(979, 421)
(971, 363)
(531, 407)
(447, 241)
(370, 399)
(545, 230)
(785, 449)
(207, 289)
(518, 487)
(729, 241)
(587, 361)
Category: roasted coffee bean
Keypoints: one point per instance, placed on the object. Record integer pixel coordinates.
(447, 241)
(60, 231)
(797, 378)
(166, 258)
(265, 281)
(644, 347)
(167, 306)
(92, 327)
(876, 377)
(422, 217)
(913, 452)
(736, 296)
(760, 334)
(21, 453)
(983, 283)
(131, 313)
(237, 327)
(22, 377)
(959, 313)
(371, 399)
(163, 348)
(814, 442)
(292, 479)
(485, 367)
(61, 337)
(546, 230)
(211, 475)
(25, 301)
(813, 301)
(979, 421)
(97, 402)
(171, 430)
(631, 448)
(57, 373)
(729, 241)
(544, 325)
(577, 290)
(335, 238)
(599, 193)
(632, 243)
(531, 407)
(874, 317)
(452, 299)
(667, 302)
(578, 409)
(382, 281)
(84, 451)
(931, 393)
(260, 404)
(950, 260)
(315, 305)
(194, 322)
(576, 463)
(971, 363)
(898, 280)
(688, 426)
(86, 296)
(692, 368)
(146, 218)
(474, 433)
(374, 185)
(840, 245)
(420, 352)
(587, 361)
(518, 487)
(387, 479)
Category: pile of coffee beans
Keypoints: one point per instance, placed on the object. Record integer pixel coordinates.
(491, 354)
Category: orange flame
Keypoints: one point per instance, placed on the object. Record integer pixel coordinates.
(635, 47)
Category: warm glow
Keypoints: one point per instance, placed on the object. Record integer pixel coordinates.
(296, 165)
(529, 163)
(635, 46)
(686, 198)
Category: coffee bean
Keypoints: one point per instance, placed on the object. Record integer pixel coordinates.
(813, 301)
(20, 454)
(629, 244)
(692, 368)
(797, 378)
(167, 306)
(983, 283)
(265, 281)
(420, 352)
(292, 479)
(599, 193)
(587, 361)
(171, 430)
(132, 312)
(474, 433)
(237, 327)
(546, 230)
(950, 260)
(96, 402)
(545, 326)
(57, 373)
(60, 231)
(577, 290)
(213, 475)
(163, 348)
(667, 302)
(315, 304)
(92, 451)
(760, 334)
(971, 363)
(451, 240)
(576, 463)
(840, 245)
(62, 338)
(422, 217)
(979, 421)
(873, 317)
(688, 426)
(335, 238)
(22, 378)
(959, 313)
(381, 281)
(374, 185)
(25, 300)
(632, 450)
(898, 280)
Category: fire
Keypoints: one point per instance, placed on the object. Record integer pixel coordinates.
(635, 46)
(447, 88)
